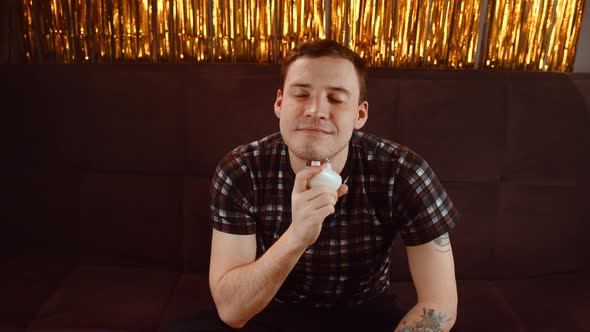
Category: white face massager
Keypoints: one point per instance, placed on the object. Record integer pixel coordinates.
(326, 177)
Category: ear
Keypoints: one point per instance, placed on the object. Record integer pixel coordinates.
(278, 103)
(362, 115)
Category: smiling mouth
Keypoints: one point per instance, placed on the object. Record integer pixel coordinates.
(315, 131)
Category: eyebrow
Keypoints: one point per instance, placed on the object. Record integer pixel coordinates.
(340, 89)
(335, 88)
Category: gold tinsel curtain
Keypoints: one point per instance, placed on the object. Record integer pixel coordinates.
(518, 35)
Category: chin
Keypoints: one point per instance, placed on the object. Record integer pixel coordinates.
(310, 154)
(312, 148)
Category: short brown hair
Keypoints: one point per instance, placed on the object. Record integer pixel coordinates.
(327, 47)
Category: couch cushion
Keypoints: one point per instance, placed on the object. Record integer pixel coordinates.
(81, 329)
(482, 308)
(456, 125)
(383, 98)
(131, 219)
(547, 136)
(25, 287)
(540, 230)
(472, 239)
(554, 303)
(135, 120)
(233, 106)
(45, 127)
(40, 215)
(108, 298)
(197, 226)
(582, 83)
(191, 295)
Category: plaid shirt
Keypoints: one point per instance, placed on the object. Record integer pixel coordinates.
(391, 190)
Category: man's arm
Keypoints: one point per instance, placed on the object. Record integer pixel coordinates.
(433, 273)
(242, 286)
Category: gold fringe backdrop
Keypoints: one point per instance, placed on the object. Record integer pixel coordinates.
(533, 35)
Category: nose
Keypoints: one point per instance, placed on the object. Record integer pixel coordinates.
(315, 109)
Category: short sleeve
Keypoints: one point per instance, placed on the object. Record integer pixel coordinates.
(231, 211)
(425, 208)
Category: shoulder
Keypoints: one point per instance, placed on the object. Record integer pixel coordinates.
(264, 146)
(249, 156)
(381, 150)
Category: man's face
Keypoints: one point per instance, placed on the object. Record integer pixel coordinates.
(319, 107)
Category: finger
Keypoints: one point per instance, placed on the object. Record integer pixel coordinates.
(321, 201)
(316, 191)
(304, 176)
(342, 190)
(325, 211)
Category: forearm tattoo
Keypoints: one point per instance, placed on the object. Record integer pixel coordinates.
(443, 243)
(429, 321)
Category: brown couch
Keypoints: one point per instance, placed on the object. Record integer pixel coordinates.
(106, 173)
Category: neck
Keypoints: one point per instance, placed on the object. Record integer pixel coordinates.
(337, 161)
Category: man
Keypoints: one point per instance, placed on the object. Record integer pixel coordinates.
(287, 257)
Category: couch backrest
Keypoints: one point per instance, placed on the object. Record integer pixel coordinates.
(111, 164)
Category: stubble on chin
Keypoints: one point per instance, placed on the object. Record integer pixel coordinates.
(313, 152)
(306, 154)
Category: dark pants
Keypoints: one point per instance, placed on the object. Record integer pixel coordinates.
(381, 314)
